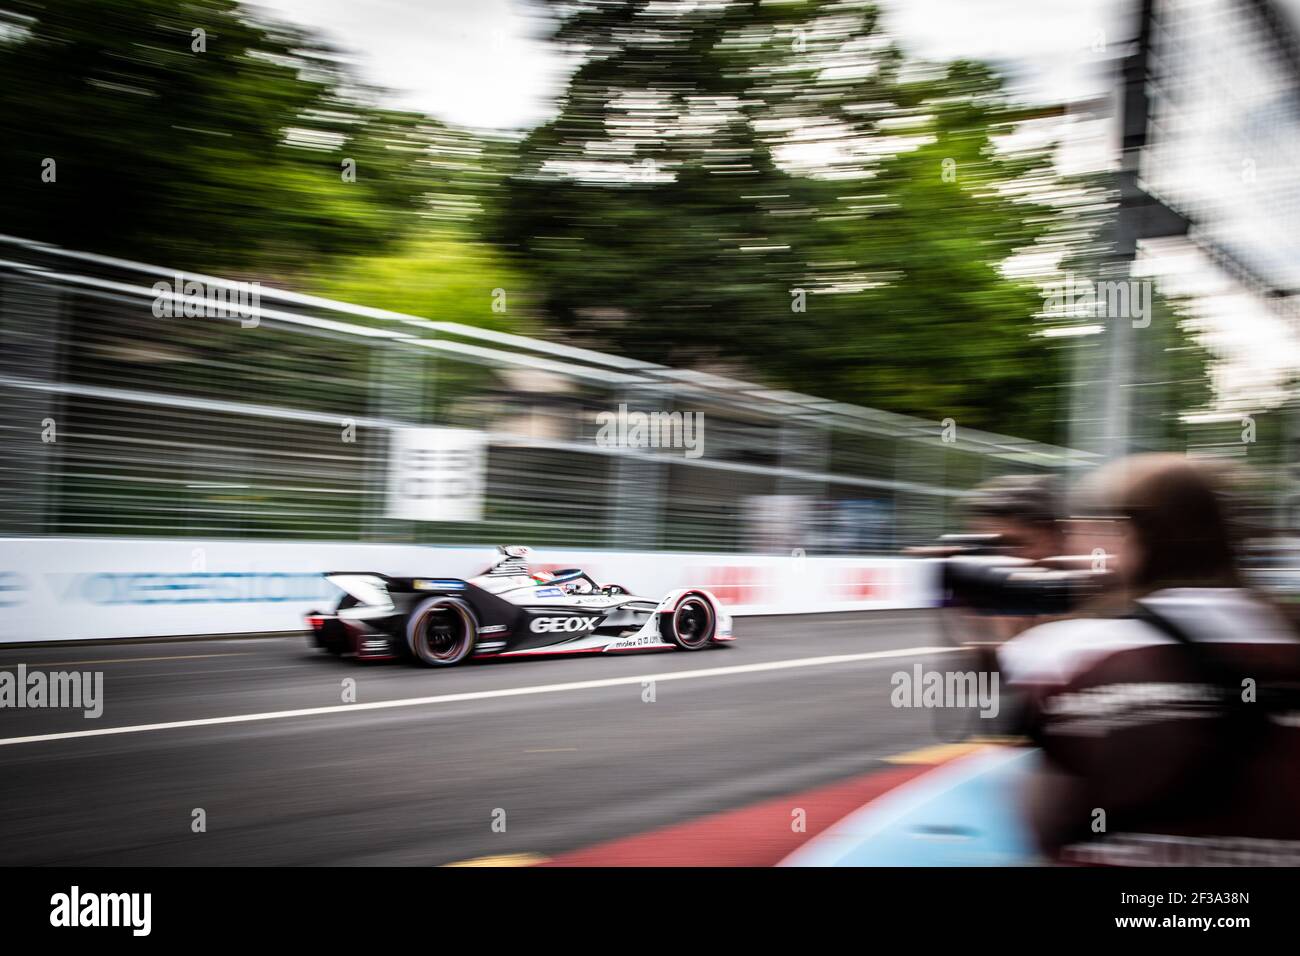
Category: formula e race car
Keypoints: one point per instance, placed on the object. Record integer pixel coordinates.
(509, 611)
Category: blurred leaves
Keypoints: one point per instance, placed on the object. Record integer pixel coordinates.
(710, 166)
(447, 277)
(225, 159)
(709, 160)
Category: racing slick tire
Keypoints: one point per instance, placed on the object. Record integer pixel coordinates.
(441, 631)
(690, 624)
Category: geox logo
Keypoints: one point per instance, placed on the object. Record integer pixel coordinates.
(552, 625)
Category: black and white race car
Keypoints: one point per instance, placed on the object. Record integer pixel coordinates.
(509, 611)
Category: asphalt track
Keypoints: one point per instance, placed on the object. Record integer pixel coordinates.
(425, 766)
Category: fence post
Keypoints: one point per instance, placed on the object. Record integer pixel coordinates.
(637, 510)
(396, 392)
(31, 336)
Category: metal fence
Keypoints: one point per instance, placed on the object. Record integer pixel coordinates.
(119, 422)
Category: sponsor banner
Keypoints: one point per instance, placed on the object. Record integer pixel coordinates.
(436, 474)
(86, 588)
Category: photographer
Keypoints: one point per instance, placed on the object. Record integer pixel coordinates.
(1021, 513)
(1011, 521)
(1012, 525)
(1167, 719)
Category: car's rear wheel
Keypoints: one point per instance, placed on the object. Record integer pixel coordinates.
(441, 631)
(690, 625)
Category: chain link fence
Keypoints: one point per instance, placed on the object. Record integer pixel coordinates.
(276, 422)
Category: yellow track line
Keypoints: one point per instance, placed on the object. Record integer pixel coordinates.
(507, 859)
(936, 754)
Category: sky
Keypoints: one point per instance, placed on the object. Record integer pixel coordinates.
(476, 63)
(485, 64)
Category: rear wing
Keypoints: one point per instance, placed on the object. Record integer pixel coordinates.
(370, 587)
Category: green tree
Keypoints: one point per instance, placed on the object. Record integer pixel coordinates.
(445, 277)
(221, 150)
(712, 168)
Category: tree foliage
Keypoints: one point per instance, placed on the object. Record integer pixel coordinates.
(712, 168)
(773, 190)
(222, 149)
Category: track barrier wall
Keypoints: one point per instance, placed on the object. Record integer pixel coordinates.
(63, 589)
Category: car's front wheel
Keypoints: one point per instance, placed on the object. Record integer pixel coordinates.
(690, 624)
(441, 631)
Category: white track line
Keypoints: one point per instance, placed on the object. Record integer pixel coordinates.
(487, 694)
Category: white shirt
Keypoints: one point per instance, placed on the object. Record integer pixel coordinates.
(1056, 652)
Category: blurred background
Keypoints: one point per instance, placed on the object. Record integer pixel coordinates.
(878, 246)
(294, 285)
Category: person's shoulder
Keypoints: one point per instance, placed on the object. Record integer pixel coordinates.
(1052, 653)
(1222, 615)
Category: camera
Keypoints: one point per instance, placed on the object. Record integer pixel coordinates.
(979, 574)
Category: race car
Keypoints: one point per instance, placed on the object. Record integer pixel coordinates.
(509, 611)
